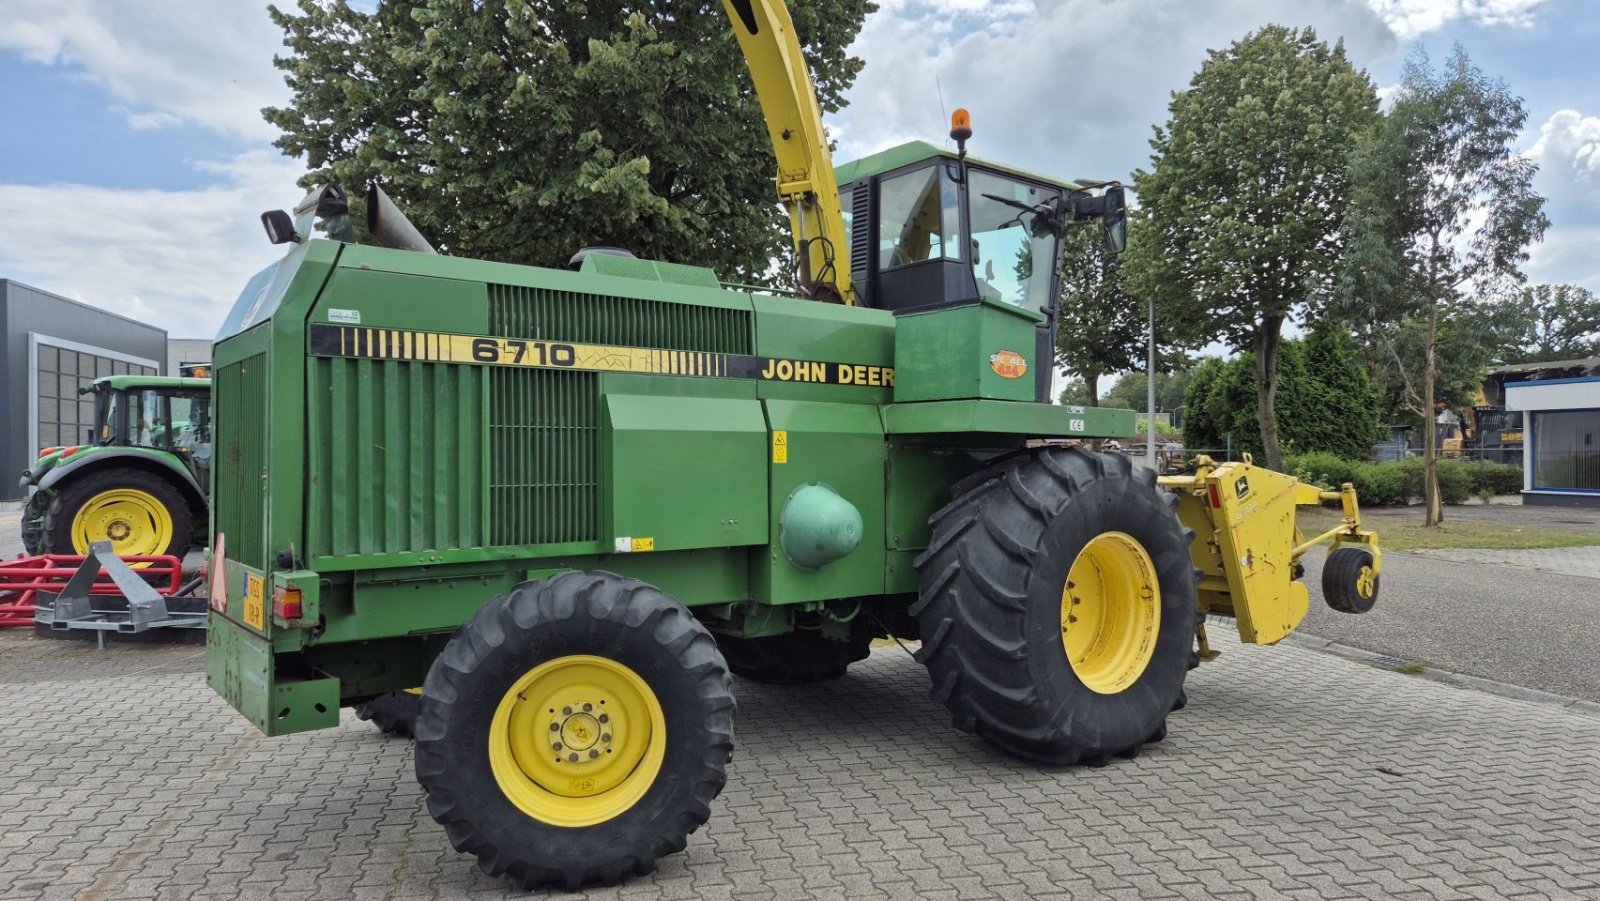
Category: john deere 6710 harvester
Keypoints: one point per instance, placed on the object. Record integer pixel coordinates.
(568, 503)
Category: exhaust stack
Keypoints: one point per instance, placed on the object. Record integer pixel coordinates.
(389, 227)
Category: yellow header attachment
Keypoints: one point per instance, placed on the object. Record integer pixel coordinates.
(806, 183)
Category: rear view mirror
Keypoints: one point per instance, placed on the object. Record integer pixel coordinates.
(280, 228)
(1115, 220)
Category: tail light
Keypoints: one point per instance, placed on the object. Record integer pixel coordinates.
(286, 602)
(1216, 496)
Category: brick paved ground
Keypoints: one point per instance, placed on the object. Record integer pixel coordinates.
(1292, 774)
(1571, 561)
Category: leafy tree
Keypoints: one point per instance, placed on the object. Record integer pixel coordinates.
(1101, 328)
(522, 130)
(1075, 393)
(1247, 192)
(1131, 391)
(1552, 322)
(1443, 204)
(1326, 401)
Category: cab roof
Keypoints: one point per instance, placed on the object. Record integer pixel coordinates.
(136, 382)
(919, 151)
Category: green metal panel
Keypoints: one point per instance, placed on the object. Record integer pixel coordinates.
(962, 351)
(788, 328)
(242, 669)
(1003, 417)
(399, 301)
(684, 472)
(841, 446)
(239, 468)
(919, 480)
(396, 460)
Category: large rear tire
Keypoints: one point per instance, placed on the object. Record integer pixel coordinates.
(794, 658)
(33, 532)
(1057, 606)
(575, 730)
(138, 512)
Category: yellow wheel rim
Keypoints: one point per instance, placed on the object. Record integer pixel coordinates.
(1366, 582)
(1110, 612)
(135, 523)
(577, 740)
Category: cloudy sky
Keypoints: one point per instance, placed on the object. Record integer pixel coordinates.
(134, 162)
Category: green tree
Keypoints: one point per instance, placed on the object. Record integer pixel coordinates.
(1131, 390)
(1076, 394)
(1443, 205)
(1220, 406)
(522, 130)
(1101, 327)
(1247, 192)
(1552, 322)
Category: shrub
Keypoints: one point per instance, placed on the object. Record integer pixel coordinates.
(1383, 484)
(1494, 478)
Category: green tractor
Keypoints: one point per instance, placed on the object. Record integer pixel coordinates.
(568, 504)
(138, 480)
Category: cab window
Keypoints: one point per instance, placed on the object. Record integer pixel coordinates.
(918, 218)
(1009, 262)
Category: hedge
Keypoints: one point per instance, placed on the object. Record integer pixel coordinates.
(1385, 484)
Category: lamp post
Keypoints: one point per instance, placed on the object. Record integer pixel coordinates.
(1150, 406)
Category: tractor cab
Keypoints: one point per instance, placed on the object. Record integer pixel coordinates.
(169, 414)
(931, 228)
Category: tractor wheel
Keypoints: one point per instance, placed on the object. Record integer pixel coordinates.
(138, 512)
(796, 658)
(394, 713)
(1058, 606)
(33, 532)
(1348, 583)
(575, 730)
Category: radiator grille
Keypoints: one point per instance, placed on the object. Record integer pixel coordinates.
(544, 425)
(241, 459)
(519, 312)
(544, 438)
(396, 456)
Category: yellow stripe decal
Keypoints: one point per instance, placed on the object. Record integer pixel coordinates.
(485, 350)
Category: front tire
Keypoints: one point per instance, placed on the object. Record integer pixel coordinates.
(1058, 606)
(575, 730)
(138, 512)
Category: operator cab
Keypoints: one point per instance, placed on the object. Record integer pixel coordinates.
(931, 228)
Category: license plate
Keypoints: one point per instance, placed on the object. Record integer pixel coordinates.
(255, 609)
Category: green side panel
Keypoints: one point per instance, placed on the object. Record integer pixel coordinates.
(900, 573)
(790, 328)
(920, 477)
(400, 301)
(395, 456)
(841, 446)
(649, 270)
(241, 668)
(1000, 417)
(239, 459)
(961, 352)
(684, 472)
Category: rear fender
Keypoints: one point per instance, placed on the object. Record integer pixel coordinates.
(158, 462)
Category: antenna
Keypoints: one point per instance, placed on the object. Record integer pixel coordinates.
(944, 116)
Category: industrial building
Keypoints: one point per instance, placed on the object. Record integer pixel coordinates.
(1560, 407)
(50, 347)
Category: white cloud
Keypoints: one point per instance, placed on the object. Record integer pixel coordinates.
(176, 259)
(203, 62)
(1071, 89)
(1414, 18)
(1569, 144)
(1568, 153)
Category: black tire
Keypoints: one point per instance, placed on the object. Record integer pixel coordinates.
(1345, 585)
(992, 583)
(71, 497)
(625, 622)
(33, 513)
(795, 658)
(394, 713)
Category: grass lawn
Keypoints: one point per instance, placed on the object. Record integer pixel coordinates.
(1410, 534)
